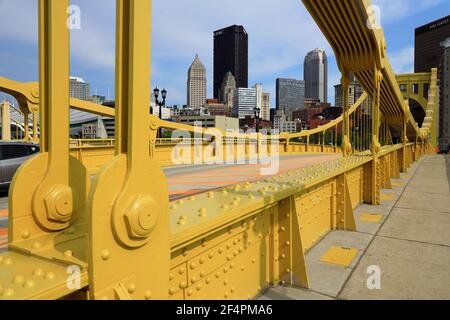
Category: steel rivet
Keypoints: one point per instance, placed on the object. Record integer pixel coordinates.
(132, 288)
(29, 283)
(19, 279)
(68, 254)
(50, 276)
(25, 234)
(105, 255)
(36, 245)
(38, 272)
(202, 212)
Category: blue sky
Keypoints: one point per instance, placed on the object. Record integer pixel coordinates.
(281, 32)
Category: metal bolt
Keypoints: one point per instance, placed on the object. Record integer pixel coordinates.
(202, 212)
(141, 218)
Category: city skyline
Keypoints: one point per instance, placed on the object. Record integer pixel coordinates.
(275, 50)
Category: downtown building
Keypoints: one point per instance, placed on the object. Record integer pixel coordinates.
(230, 55)
(431, 51)
(316, 75)
(244, 103)
(290, 95)
(196, 84)
(227, 90)
(247, 99)
(355, 91)
(79, 89)
(428, 50)
(444, 119)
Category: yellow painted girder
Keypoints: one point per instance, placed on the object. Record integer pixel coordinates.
(357, 47)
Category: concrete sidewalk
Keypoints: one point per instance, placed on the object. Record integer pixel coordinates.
(410, 244)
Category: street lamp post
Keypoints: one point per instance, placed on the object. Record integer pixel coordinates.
(257, 117)
(160, 104)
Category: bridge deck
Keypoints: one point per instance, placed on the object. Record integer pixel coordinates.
(185, 181)
(190, 180)
(410, 244)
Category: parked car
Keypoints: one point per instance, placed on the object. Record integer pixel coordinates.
(12, 155)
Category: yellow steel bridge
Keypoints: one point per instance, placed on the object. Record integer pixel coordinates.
(102, 207)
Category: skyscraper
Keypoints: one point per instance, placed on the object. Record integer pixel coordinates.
(428, 50)
(290, 95)
(230, 55)
(227, 90)
(355, 91)
(79, 89)
(265, 106)
(444, 114)
(196, 84)
(316, 75)
(244, 103)
(247, 99)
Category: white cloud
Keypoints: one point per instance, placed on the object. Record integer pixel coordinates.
(402, 61)
(393, 10)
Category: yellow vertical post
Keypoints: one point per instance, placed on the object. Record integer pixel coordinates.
(26, 126)
(6, 121)
(54, 106)
(129, 218)
(335, 137)
(346, 146)
(434, 98)
(41, 200)
(35, 126)
(323, 141)
(376, 96)
(404, 165)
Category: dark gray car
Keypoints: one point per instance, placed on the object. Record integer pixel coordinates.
(12, 155)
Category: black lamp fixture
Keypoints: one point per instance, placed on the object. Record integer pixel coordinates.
(257, 117)
(159, 103)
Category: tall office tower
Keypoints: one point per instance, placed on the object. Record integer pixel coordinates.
(428, 50)
(230, 55)
(265, 106)
(290, 95)
(444, 114)
(227, 90)
(196, 84)
(316, 75)
(244, 103)
(79, 89)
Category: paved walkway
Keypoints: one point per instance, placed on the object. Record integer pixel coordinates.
(410, 246)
